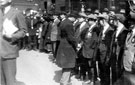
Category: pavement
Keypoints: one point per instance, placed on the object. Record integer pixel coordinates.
(36, 68)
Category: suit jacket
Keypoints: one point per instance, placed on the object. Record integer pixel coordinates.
(119, 43)
(44, 28)
(54, 30)
(129, 53)
(89, 42)
(32, 31)
(79, 31)
(104, 44)
(66, 55)
(76, 25)
(8, 46)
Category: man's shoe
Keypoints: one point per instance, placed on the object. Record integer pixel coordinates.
(41, 50)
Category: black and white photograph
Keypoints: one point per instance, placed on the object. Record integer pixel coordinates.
(67, 42)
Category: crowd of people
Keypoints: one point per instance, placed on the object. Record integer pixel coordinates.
(92, 46)
(96, 47)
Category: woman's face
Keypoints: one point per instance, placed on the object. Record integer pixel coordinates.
(4, 2)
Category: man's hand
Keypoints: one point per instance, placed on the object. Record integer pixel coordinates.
(27, 34)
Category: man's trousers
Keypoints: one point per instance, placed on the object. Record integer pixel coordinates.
(8, 71)
(66, 74)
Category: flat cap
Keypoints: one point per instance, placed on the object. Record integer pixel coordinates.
(105, 10)
(103, 16)
(81, 14)
(120, 17)
(92, 16)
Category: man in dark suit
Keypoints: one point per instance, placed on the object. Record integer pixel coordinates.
(12, 28)
(42, 38)
(66, 54)
(32, 30)
(118, 44)
(89, 38)
(105, 38)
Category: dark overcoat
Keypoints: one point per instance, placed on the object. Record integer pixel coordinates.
(118, 46)
(8, 46)
(79, 29)
(104, 44)
(89, 42)
(44, 29)
(66, 55)
(32, 31)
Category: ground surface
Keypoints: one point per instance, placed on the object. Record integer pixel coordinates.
(35, 68)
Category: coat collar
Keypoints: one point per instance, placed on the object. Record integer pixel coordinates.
(9, 12)
(122, 29)
(108, 29)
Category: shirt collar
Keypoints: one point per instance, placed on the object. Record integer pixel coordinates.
(63, 19)
(105, 28)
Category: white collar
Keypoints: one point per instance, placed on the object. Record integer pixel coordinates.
(7, 9)
(90, 28)
(105, 28)
(63, 19)
(75, 22)
(133, 30)
(55, 19)
(119, 28)
(82, 24)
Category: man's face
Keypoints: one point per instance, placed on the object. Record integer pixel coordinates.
(4, 2)
(62, 16)
(91, 22)
(72, 19)
(81, 19)
(55, 16)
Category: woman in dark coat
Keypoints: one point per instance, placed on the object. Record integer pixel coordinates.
(66, 55)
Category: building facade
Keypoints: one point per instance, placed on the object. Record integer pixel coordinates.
(39, 4)
(67, 5)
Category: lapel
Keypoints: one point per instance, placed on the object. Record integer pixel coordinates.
(121, 31)
(9, 14)
(63, 23)
(84, 27)
(108, 29)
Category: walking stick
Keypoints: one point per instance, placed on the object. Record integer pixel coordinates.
(98, 78)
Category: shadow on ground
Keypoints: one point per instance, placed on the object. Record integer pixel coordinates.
(51, 58)
(57, 76)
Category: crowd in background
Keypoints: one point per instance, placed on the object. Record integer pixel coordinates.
(94, 46)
